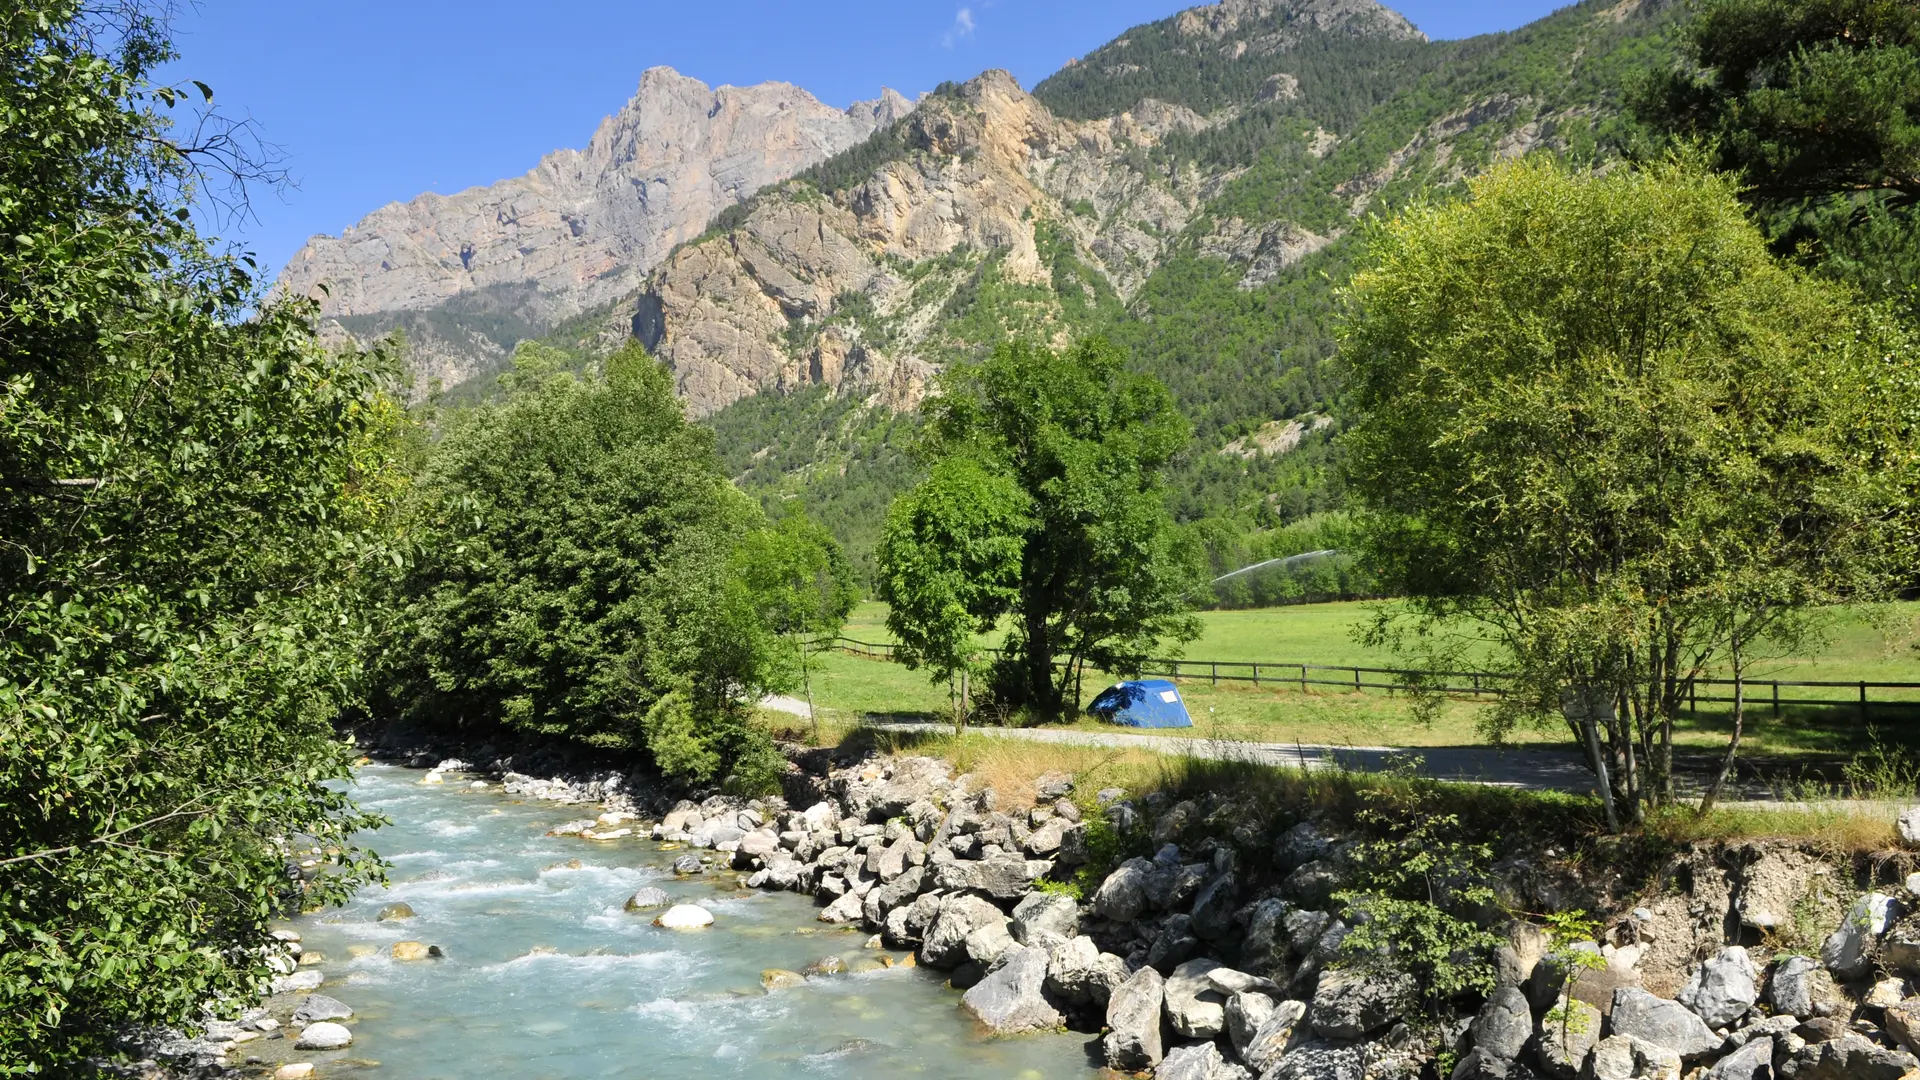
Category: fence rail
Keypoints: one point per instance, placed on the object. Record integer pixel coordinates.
(1759, 693)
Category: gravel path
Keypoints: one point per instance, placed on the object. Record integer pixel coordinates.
(1546, 768)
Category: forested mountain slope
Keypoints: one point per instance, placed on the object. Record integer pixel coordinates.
(1195, 190)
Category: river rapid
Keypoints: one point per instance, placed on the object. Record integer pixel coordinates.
(545, 976)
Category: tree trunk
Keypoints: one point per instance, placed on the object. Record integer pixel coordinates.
(806, 686)
(1733, 744)
(1042, 694)
(1599, 762)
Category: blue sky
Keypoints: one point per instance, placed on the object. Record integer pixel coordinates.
(373, 101)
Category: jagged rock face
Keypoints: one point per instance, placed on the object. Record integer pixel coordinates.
(982, 176)
(585, 226)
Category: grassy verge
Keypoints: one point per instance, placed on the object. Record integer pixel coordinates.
(1269, 798)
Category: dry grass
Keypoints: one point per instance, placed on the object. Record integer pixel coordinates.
(1843, 827)
(1010, 766)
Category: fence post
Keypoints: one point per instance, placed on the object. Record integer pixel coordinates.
(1863, 699)
(1215, 679)
(1303, 678)
(1256, 674)
(1476, 684)
(1776, 699)
(1356, 680)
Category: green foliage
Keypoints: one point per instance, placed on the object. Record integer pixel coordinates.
(949, 563)
(1817, 104)
(1313, 580)
(842, 461)
(1340, 74)
(1420, 897)
(1595, 421)
(190, 491)
(572, 578)
(801, 584)
(1046, 504)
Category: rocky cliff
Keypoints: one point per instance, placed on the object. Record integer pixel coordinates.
(865, 278)
(583, 228)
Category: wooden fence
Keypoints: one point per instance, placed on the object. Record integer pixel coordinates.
(1759, 693)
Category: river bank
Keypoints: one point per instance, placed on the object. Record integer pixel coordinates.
(1195, 931)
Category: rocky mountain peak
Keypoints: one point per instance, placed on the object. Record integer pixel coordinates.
(584, 226)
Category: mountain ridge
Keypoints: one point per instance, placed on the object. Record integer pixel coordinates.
(583, 226)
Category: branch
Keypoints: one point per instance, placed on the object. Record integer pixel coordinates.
(111, 838)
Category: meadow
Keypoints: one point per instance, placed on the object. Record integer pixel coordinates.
(1872, 646)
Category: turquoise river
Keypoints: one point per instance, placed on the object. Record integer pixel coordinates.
(545, 977)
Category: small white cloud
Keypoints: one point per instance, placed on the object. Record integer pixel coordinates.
(961, 30)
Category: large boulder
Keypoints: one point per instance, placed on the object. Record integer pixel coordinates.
(847, 907)
(1299, 845)
(1900, 949)
(989, 942)
(1351, 1004)
(1754, 1061)
(1623, 1057)
(1902, 1021)
(1263, 950)
(1663, 1023)
(1201, 1061)
(1246, 1011)
(1724, 987)
(316, 1007)
(1011, 999)
(1321, 1061)
(1079, 973)
(1133, 1040)
(944, 944)
(1849, 1057)
(1568, 1033)
(1802, 987)
(1006, 876)
(1279, 1033)
(1123, 895)
(1213, 908)
(1503, 1025)
(1848, 952)
(1045, 918)
(324, 1036)
(1194, 1007)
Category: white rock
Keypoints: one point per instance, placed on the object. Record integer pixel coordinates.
(1724, 988)
(685, 917)
(297, 1070)
(1910, 824)
(298, 982)
(324, 1036)
(1847, 951)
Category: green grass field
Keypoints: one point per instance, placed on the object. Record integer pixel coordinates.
(1324, 634)
(851, 686)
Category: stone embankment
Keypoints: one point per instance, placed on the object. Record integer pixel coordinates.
(1219, 955)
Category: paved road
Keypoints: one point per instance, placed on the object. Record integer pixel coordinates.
(1546, 768)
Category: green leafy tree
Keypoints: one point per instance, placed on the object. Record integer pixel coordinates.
(1816, 103)
(1596, 422)
(1045, 505)
(802, 584)
(1420, 899)
(572, 578)
(191, 491)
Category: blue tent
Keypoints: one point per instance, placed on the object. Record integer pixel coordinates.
(1142, 703)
